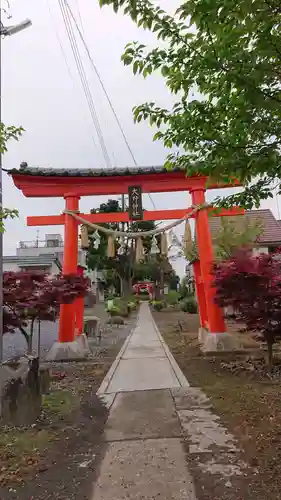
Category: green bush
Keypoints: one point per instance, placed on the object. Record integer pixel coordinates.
(124, 311)
(144, 295)
(114, 311)
(134, 299)
(172, 298)
(122, 306)
(158, 305)
(117, 320)
(132, 306)
(189, 305)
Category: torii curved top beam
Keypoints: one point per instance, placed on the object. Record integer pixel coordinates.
(48, 182)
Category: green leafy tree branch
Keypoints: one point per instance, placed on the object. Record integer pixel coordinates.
(227, 53)
(6, 134)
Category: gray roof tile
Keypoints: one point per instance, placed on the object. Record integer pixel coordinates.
(85, 172)
(36, 260)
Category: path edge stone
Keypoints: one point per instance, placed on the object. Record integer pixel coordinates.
(180, 376)
(107, 379)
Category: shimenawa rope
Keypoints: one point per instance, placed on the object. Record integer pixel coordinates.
(152, 232)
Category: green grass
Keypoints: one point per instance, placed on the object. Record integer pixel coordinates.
(60, 402)
(20, 441)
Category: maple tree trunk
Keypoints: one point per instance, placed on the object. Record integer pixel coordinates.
(30, 337)
(157, 291)
(126, 287)
(162, 281)
(270, 355)
(25, 334)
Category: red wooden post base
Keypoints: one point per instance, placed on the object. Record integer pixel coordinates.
(200, 293)
(79, 309)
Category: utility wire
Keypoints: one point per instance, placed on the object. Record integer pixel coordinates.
(79, 15)
(83, 78)
(105, 91)
(59, 42)
(84, 81)
(101, 82)
(66, 62)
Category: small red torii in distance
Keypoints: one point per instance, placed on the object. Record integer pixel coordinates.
(72, 184)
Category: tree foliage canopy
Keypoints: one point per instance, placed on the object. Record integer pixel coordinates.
(30, 296)
(97, 257)
(124, 266)
(7, 133)
(251, 285)
(221, 58)
(232, 236)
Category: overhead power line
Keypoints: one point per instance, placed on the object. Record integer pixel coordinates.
(66, 63)
(79, 15)
(104, 89)
(102, 84)
(83, 78)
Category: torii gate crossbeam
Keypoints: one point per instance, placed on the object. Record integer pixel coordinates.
(148, 215)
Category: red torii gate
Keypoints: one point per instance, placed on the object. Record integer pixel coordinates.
(72, 184)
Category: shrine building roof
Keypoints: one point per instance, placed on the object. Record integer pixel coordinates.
(271, 228)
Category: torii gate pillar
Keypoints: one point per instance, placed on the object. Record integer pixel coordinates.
(200, 293)
(68, 347)
(212, 333)
(70, 260)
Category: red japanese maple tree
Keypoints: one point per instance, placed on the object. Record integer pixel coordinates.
(251, 285)
(35, 296)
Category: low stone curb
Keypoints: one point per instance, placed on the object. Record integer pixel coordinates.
(180, 376)
(107, 379)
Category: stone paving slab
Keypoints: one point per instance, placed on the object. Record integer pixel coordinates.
(205, 431)
(191, 397)
(143, 374)
(145, 458)
(145, 340)
(142, 414)
(147, 351)
(153, 469)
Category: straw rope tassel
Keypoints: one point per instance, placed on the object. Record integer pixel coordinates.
(139, 250)
(110, 247)
(164, 244)
(84, 237)
(187, 238)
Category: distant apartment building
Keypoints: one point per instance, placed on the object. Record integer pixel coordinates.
(47, 256)
(41, 255)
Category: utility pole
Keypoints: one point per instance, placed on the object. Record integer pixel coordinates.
(123, 209)
(5, 31)
(123, 237)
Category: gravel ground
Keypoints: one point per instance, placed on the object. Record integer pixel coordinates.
(66, 465)
(14, 344)
(247, 402)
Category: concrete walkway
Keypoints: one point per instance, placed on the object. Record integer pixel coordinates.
(145, 458)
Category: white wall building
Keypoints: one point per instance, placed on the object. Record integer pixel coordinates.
(41, 255)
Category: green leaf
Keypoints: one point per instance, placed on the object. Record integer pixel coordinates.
(127, 59)
(223, 63)
(165, 70)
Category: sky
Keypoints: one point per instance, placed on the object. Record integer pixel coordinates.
(41, 91)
